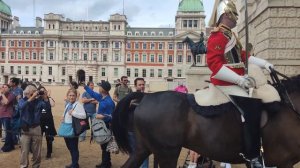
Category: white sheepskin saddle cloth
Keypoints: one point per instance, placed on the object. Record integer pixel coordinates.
(213, 96)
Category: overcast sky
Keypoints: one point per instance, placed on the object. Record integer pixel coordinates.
(140, 13)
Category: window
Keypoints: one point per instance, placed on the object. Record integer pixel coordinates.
(136, 72)
(104, 44)
(170, 58)
(117, 44)
(12, 69)
(189, 58)
(159, 73)
(19, 55)
(85, 56)
(160, 58)
(179, 58)
(49, 70)
(128, 45)
(75, 56)
(145, 34)
(152, 33)
(63, 71)
(12, 55)
(41, 70)
(3, 43)
(144, 46)
(75, 44)
(152, 73)
(144, 72)
(26, 70)
(12, 43)
(116, 72)
(152, 46)
(170, 73)
(117, 57)
(42, 56)
(66, 44)
(20, 44)
(195, 23)
(129, 33)
(85, 44)
(151, 58)
(19, 70)
(42, 44)
(34, 70)
(160, 46)
(190, 23)
(137, 33)
(95, 44)
(27, 44)
(136, 57)
(51, 43)
(104, 57)
(184, 23)
(161, 33)
(170, 46)
(34, 56)
(65, 56)
(51, 56)
(95, 55)
(2, 55)
(136, 45)
(198, 58)
(128, 58)
(144, 58)
(27, 56)
(179, 73)
(102, 71)
(128, 72)
(180, 46)
(2, 69)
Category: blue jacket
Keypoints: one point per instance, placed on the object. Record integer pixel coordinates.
(31, 111)
(106, 104)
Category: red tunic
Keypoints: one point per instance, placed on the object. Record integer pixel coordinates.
(216, 58)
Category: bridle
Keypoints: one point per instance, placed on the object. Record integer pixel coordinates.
(282, 89)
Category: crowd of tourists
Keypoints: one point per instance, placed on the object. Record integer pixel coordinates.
(26, 117)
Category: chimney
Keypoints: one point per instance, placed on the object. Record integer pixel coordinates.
(38, 22)
(15, 22)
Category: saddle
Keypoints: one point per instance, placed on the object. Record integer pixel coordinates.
(212, 101)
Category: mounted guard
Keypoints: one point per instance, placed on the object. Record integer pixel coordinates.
(228, 63)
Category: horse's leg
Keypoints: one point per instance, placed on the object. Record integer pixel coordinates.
(167, 158)
(137, 157)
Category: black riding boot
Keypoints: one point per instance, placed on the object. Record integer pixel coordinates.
(251, 109)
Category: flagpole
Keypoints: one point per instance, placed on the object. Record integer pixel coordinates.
(247, 37)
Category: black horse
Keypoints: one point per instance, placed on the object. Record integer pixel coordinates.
(165, 122)
(196, 48)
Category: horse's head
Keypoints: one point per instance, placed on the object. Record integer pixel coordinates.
(186, 40)
(292, 86)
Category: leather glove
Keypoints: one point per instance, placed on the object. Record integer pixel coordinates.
(268, 66)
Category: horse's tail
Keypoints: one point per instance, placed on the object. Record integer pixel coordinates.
(120, 121)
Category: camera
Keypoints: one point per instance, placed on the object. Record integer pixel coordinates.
(41, 92)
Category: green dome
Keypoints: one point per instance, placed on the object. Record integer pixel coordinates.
(191, 6)
(5, 8)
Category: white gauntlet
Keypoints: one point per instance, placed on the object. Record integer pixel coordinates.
(261, 63)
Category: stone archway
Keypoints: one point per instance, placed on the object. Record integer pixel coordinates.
(80, 75)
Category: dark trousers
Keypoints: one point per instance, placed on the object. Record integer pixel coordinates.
(105, 155)
(72, 145)
(9, 144)
(49, 140)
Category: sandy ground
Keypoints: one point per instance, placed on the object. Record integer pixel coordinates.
(90, 154)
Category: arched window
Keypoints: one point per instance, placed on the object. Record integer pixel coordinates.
(29, 32)
(49, 26)
(37, 32)
(53, 26)
(21, 32)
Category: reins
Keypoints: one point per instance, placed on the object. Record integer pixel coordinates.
(282, 89)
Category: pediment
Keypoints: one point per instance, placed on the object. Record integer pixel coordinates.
(190, 34)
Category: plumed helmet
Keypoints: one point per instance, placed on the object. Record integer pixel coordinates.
(221, 7)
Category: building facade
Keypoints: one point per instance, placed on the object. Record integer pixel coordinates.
(61, 49)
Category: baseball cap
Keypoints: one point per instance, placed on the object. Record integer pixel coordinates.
(105, 85)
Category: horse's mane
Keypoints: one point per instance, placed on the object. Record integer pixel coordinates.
(292, 84)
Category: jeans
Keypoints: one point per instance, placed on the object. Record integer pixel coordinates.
(9, 144)
(91, 117)
(72, 145)
(132, 143)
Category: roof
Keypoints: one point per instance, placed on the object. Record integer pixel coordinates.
(190, 6)
(25, 30)
(4, 8)
(149, 31)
